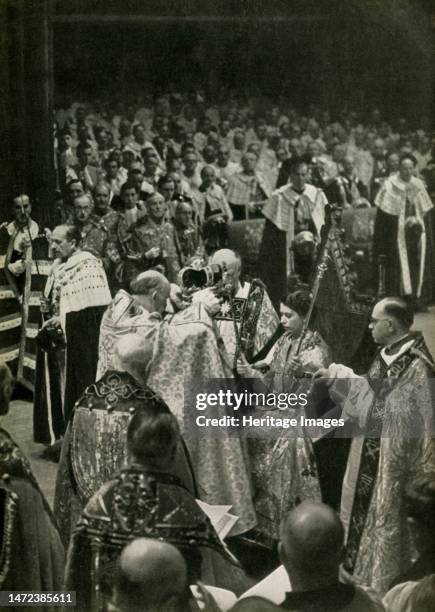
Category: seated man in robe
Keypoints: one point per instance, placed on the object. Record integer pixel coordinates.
(151, 243)
(186, 233)
(32, 555)
(94, 233)
(246, 321)
(346, 189)
(248, 189)
(214, 211)
(143, 500)
(109, 220)
(185, 351)
(211, 200)
(102, 209)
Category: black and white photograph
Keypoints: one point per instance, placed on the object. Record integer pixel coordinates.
(217, 305)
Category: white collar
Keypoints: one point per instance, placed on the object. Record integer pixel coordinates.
(390, 358)
(33, 227)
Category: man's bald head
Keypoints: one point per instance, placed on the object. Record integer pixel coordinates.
(312, 540)
(149, 574)
(230, 260)
(151, 289)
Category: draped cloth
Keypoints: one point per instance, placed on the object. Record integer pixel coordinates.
(380, 468)
(137, 503)
(284, 468)
(398, 202)
(32, 555)
(184, 349)
(94, 447)
(20, 298)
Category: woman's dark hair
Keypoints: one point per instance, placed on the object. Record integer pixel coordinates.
(299, 301)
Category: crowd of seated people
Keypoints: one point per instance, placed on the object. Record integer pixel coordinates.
(182, 133)
(225, 161)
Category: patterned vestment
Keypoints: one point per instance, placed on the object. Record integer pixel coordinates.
(284, 468)
(380, 468)
(185, 351)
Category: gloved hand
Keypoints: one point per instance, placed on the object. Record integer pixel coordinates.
(18, 267)
(208, 299)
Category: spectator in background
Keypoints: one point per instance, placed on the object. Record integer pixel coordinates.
(423, 154)
(139, 142)
(187, 237)
(224, 168)
(191, 170)
(84, 171)
(379, 172)
(212, 200)
(94, 234)
(65, 213)
(247, 189)
(150, 244)
(238, 146)
(151, 173)
(66, 152)
(113, 175)
(104, 142)
(392, 164)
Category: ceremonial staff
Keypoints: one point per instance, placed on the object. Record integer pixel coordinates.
(322, 266)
